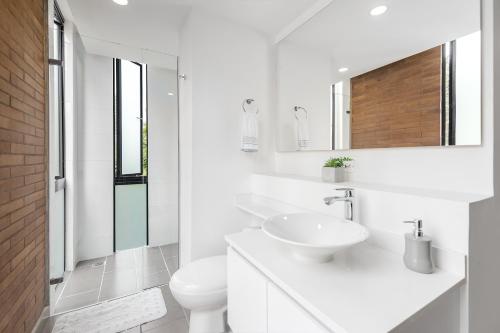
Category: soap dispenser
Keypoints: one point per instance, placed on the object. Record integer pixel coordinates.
(418, 255)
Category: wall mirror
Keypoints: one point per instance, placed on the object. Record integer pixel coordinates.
(362, 74)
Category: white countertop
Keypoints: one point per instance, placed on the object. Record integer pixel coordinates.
(365, 288)
(263, 207)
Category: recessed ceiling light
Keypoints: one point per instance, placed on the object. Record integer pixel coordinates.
(379, 10)
(121, 2)
(343, 69)
(170, 94)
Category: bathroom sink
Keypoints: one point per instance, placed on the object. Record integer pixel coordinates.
(314, 237)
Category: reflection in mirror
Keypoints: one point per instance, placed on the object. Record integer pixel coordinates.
(382, 81)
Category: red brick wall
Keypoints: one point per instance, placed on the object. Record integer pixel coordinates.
(23, 163)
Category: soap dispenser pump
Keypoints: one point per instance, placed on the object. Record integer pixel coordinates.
(418, 255)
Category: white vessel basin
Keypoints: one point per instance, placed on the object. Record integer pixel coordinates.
(314, 237)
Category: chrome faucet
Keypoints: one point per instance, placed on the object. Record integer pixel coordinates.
(347, 199)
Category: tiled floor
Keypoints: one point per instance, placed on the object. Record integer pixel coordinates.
(121, 274)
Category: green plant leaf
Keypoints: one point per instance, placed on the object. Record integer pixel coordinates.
(338, 162)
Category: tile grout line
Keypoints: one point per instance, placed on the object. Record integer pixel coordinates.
(64, 288)
(165, 262)
(86, 291)
(102, 279)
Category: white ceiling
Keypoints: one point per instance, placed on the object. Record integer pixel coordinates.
(345, 30)
(146, 24)
(155, 24)
(267, 16)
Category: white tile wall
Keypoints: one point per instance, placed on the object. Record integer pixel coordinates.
(95, 159)
(446, 221)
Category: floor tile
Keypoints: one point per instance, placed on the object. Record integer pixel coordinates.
(151, 267)
(77, 301)
(59, 288)
(83, 280)
(150, 261)
(172, 265)
(123, 273)
(175, 326)
(120, 260)
(119, 283)
(174, 311)
(147, 251)
(170, 250)
(49, 323)
(155, 279)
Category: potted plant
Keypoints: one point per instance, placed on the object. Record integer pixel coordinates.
(334, 169)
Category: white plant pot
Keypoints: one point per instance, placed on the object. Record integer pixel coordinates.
(333, 175)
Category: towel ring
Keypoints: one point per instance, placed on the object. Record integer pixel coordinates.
(248, 101)
(297, 109)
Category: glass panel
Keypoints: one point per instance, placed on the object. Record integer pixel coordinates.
(468, 90)
(131, 118)
(160, 259)
(130, 216)
(57, 54)
(56, 115)
(56, 235)
(57, 212)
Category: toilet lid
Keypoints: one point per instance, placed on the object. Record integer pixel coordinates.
(205, 275)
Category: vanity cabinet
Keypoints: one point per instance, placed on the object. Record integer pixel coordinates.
(246, 296)
(256, 305)
(286, 316)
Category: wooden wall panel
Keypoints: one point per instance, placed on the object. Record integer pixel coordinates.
(398, 105)
(23, 163)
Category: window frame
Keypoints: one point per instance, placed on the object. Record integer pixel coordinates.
(128, 179)
(118, 119)
(59, 22)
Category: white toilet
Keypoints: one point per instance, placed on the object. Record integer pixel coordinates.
(201, 287)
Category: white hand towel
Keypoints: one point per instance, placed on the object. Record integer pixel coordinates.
(303, 141)
(250, 132)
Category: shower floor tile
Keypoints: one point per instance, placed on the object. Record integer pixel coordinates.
(123, 273)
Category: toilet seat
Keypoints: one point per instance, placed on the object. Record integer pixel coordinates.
(201, 277)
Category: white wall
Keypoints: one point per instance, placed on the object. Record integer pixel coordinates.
(484, 266)
(303, 79)
(95, 158)
(185, 142)
(426, 167)
(379, 208)
(162, 156)
(224, 64)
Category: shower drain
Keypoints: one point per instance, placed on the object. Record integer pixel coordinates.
(98, 264)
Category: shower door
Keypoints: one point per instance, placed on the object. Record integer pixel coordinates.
(159, 260)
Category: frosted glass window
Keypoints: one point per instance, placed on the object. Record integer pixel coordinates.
(130, 216)
(131, 117)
